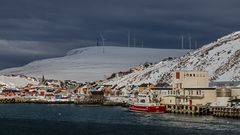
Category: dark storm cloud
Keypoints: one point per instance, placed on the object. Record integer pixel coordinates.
(34, 29)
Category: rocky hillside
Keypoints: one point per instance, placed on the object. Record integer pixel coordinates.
(220, 58)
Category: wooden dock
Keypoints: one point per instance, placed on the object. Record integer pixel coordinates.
(186, 109)
(226, 112)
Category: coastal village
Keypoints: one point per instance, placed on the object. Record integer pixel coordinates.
(189, 93)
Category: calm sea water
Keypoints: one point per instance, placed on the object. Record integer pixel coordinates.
(31, 119)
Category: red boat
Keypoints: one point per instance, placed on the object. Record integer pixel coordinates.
(144, 104)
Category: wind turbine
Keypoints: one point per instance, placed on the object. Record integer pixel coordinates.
(134, 40)
(129, 38)
(97, 41)
(190, 41)
(196, 46)
(102, 38)
(182, 40)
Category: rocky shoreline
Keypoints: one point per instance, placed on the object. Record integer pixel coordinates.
(77, 102)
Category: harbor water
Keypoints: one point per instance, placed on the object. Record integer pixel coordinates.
(39, 119)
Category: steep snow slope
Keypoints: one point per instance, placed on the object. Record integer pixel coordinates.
(16, 81)
(220, 58)
(90, 64)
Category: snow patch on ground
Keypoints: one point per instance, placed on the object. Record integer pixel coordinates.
(90, 63)
(15, 82)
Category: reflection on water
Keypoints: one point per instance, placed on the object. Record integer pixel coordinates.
(188, 121)
(82, 115)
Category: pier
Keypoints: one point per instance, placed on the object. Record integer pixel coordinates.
(186, 109)
(230, 112)
(226, 112)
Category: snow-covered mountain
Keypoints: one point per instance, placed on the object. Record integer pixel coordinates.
(90, 63)
(220, 58)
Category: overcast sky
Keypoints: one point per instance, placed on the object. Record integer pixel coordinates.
(36, 29)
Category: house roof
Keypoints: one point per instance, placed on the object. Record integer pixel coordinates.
(143, 85)
(225, 83)
(235, 100)
(199, 88)
(97, 92)
(161, 88)
(162, 85)
(9, 90)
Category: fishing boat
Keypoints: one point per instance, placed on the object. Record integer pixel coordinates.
(145, 104)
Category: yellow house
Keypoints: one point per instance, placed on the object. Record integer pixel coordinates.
(145, 86)
(107, 90)
(84, 89)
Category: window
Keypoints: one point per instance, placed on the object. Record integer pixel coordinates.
(199, 92)
(142, 101)
(179, 85)
(190, 75)
(191, 92)
(177, 75)
(193, 75)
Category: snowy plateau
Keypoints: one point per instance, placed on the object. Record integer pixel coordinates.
(91, 64)
(220, 58)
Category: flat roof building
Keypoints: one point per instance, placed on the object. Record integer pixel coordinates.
(191, 88)
(190, 79)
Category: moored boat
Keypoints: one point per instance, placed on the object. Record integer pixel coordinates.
(144, 104)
